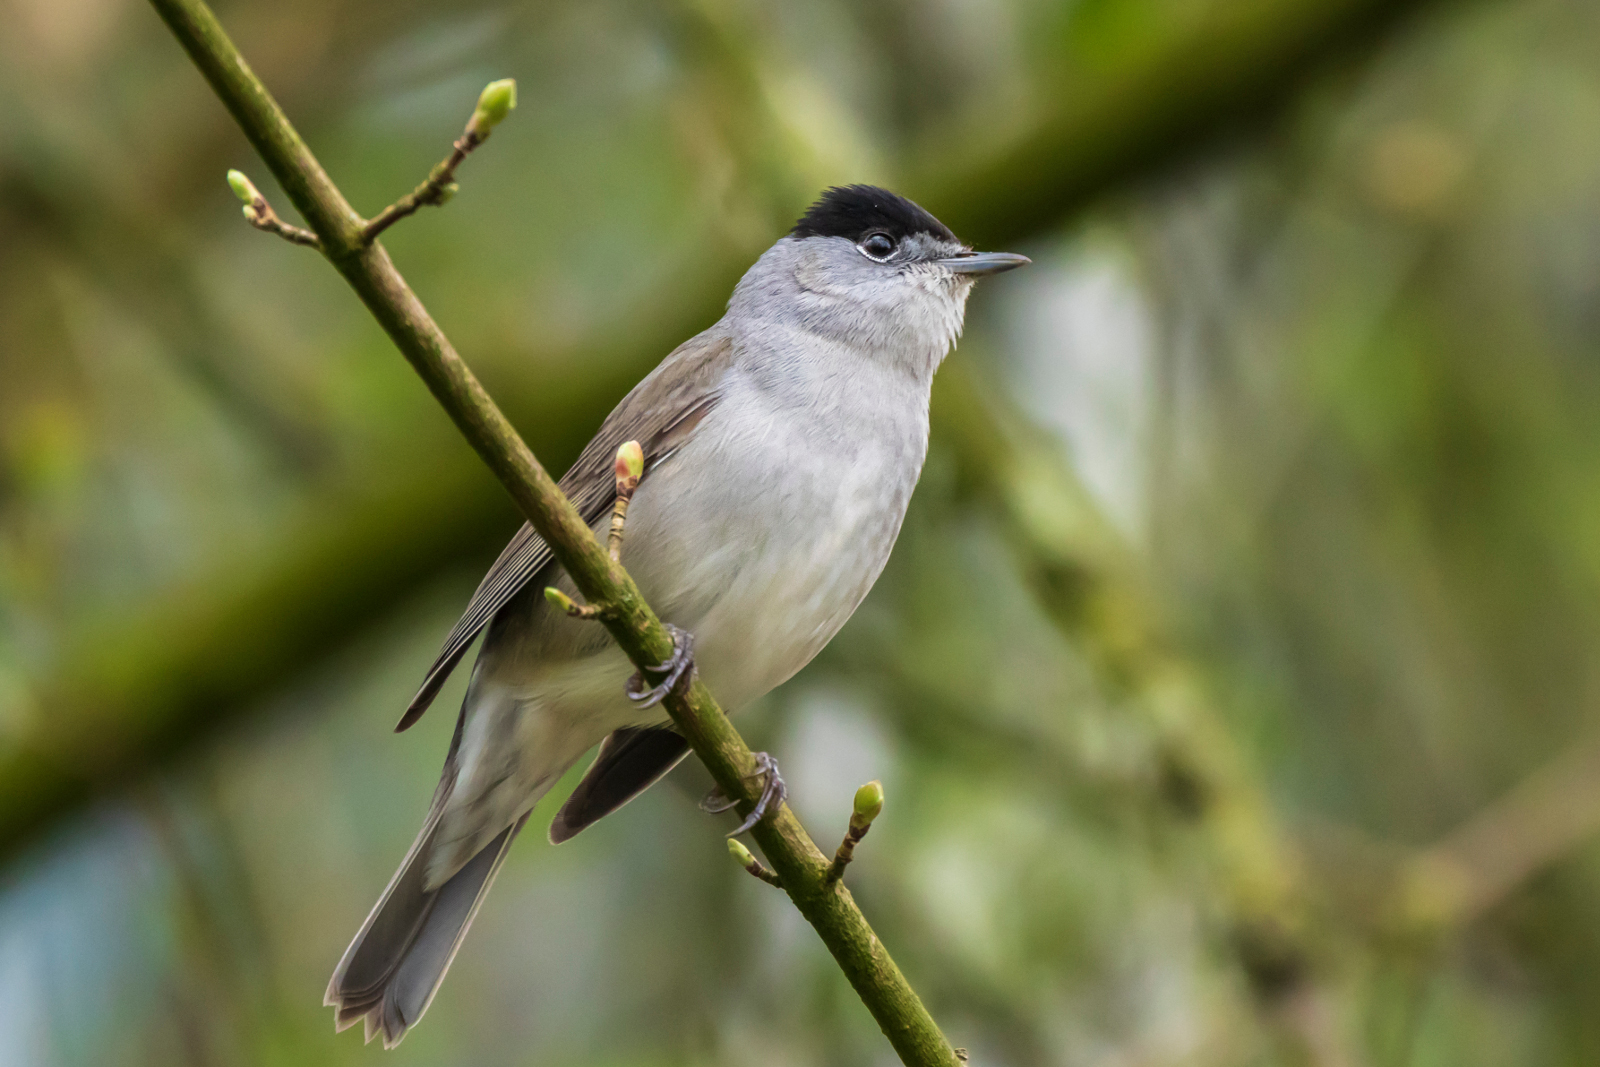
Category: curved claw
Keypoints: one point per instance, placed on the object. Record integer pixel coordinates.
(773, 793)
(677, 669)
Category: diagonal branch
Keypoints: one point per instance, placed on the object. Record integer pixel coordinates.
(366, 266)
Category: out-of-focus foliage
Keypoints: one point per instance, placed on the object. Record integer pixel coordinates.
(1252, 561)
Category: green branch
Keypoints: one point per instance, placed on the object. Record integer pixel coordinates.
(348, 241)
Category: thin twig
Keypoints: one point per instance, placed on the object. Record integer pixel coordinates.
(846, 851)
(578, 611)
(1476, 866)
(868, 806)
(746, 859)
(629, 469)
(259, 213)
(495, 103)
(262, 217)
(438, 189)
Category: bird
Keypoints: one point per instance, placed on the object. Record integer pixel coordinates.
(781, 447)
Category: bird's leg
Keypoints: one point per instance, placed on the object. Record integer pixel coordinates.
(772, 794)
(679, 668)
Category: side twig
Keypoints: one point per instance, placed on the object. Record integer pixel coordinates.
(746, 859)
(637, 630)
(869, 804)
(630, 468)
(496, 101)
(1472, 869)
(259, 213)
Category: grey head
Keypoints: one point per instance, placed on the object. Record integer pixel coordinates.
(871, 269)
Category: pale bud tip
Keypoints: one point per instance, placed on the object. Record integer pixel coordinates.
(630, 461)
(242, 186)
(494, 104)
(869, 802)
(740, 854)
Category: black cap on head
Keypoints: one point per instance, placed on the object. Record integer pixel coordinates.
(853, 211)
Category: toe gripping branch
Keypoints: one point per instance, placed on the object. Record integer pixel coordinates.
(868, 806)
(773, 792)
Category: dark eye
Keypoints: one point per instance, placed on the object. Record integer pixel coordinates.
(878, 245)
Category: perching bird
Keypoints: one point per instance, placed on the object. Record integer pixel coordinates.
(781, 448)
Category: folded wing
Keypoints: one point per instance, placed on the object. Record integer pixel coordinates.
(660, 413)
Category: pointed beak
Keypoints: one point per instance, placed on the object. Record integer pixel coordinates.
(981, 263)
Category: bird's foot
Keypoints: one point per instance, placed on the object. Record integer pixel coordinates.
(678, 669)
(772, 794)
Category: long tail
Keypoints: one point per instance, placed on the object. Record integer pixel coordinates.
(393, 968)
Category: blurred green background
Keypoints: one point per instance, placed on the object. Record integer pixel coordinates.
(1233, 681)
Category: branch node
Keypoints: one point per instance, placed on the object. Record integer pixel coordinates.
(629, 469)
(746, 859)
(494, 104)
(868, 806)
(259, 213)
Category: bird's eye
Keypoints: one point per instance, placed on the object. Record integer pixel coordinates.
(878, 245)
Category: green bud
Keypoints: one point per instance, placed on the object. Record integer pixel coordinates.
(630, 464)
(869, 803)
(446, 192)
(559, 599)
(494, 104)
(242, 187)
(740, 854)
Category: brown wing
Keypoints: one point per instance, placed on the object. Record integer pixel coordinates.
(660, 413)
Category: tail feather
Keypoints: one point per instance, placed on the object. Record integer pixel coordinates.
(394, 966)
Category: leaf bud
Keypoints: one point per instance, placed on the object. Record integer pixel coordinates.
(740, 854)
(869, 803)
(494, 104)
(629, 466)
(242, 187)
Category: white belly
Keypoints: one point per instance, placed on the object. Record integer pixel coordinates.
(765, 578)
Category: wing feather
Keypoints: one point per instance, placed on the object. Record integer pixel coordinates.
(660, 413)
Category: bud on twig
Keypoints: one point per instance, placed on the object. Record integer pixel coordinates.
(629, 468)
(259, 213)
(243, 187)
(494, 104)
(869, 804)
(744, 858)
(562, 602)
